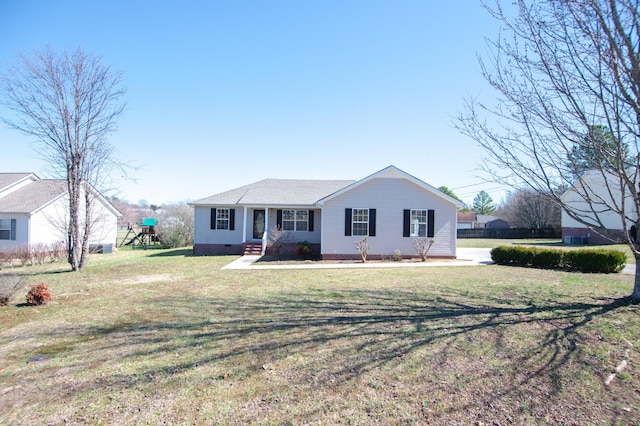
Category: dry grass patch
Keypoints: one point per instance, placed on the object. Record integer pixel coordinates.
(412, 346)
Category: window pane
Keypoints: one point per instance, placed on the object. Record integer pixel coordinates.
(360, 229)
(288, 214)
(5, 234)
(360, 215)
(287, 225)
(302, 214)
(418, 215)
(222, 216)
(301, 226)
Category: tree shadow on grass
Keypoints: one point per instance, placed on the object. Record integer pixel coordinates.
(344, 335)
(183, 252)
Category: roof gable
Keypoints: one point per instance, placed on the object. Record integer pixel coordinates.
(29, 194)
(33, 196)
(11, 181)
(393, 172)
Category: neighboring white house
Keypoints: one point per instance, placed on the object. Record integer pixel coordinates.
(390, 207)
(35, 211)
(602, 211)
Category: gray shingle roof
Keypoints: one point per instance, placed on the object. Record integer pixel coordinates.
(33, 196)
(277, 192)
(7, 179)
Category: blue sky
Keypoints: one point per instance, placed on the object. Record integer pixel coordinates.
(221, 94)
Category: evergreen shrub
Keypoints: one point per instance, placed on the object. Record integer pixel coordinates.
(586, 260)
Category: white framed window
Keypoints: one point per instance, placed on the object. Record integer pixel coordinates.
(7, 229)
(222, 218)
(418, 223)
(360, 222)
(295, 220)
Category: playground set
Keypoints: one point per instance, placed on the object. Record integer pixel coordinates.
(144, 234)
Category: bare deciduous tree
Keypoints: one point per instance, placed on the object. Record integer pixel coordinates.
(529, 209)
(70, 103)
(175, 226)
(560, 68)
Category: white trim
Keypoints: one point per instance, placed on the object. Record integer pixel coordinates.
(353, 221)
(244, 225)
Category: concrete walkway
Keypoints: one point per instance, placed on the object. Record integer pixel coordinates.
(466, 257)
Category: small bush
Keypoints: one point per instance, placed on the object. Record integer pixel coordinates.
(397, 255)
(589, 261)
(39, 294)
(363, 248)
(10, 285)
(422, 246)
(304, 249)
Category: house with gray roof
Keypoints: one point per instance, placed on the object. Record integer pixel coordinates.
(35, 211)
(276, 216)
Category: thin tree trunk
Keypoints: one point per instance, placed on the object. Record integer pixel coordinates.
(635, 296)
(86, 229)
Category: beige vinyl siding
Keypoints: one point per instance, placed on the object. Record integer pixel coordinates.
(389, 196)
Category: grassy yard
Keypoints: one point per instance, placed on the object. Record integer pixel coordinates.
(162, 337)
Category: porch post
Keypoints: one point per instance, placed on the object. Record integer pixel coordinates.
(244, 226)
(265, 234)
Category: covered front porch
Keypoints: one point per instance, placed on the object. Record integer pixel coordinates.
(281, 230)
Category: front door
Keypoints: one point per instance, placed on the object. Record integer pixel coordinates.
(258, 224)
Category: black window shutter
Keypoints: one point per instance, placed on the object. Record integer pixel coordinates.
(310, 220)
(279, 219)
(213, 218)
(347, 222)
(12, 233)
(406, 224)
(232, 219)
(372, 222)
(430, 223)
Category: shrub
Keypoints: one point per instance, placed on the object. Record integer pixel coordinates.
(363, 248)
(595, 261)
(397, 255)
(40, 253)
(304, 249)
(544, 258)
(58, 251)
(23, 255)
(590, 261)
(6, 259)
(9, 286)
(422, 246)
(39, 294)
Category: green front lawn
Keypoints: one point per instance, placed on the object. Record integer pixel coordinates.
(159, 336)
